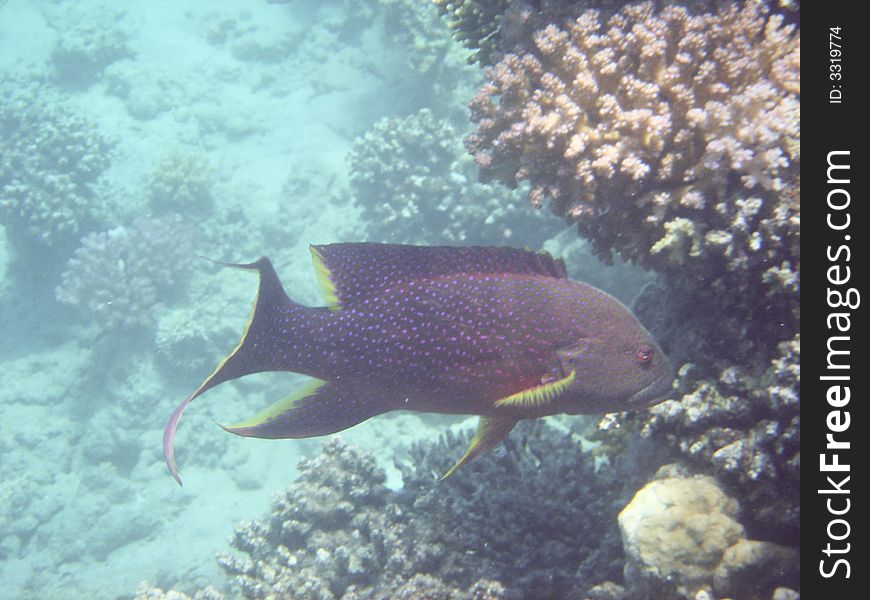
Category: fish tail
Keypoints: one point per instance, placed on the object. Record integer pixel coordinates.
(255, 353)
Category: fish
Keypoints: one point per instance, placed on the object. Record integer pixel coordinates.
(496, 332)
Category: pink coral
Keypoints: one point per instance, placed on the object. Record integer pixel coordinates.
(647, 102)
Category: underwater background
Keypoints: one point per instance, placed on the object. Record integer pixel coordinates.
(135, 137)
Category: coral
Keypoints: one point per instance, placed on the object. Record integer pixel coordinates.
(743, 429)
(755, 569)
(188, 338)
(492, 28)
(675, 531)
(122, 275)
(598, 115)
(49, 160)
(147, 592)
(414, 25)
(414, 185)
(474, 23)
(682, 540)
(564, 537)
(88, 43)
(182, 183)
(339, 532)
(672, 139)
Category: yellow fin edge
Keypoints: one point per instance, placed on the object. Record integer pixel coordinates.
(278, 408)
(538, 395)
(490, 431)
(324, 279)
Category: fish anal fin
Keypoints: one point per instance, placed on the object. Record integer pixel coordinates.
(317, 408)
(490, 432)
(539, 395)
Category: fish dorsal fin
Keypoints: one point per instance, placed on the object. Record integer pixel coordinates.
(348, 272)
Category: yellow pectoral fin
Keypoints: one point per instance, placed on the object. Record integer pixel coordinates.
(538, 395)
(490, 431)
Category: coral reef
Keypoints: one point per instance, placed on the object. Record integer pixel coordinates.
(188, 338)
(415, 185)
(85, 49)
(743, 429)
(339, 532)
(183, 183)
(415, 26)
(682, 540)
(121, 276)
(630, 125)
(49, 160)
(475, 23)
(676, 530)
(147, 592)
(564, 537)
(672, 139)
(491, 28)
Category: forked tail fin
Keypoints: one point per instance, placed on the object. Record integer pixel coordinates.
(255, 353)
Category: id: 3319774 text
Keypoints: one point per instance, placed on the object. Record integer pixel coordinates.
(835, 65)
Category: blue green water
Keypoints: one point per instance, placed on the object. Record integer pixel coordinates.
(140, 136)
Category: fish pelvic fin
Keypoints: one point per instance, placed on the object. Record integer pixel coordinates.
(490, 432)
(538, 395)
(317, 408)
(250, 355)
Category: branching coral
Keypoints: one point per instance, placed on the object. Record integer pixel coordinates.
(671, 138)
(535, 516)
(49, 159)
(629, 125)
(647, 102)
(474, 22)
(120, 276)
(414, 184)
(339, 533)
(492, 28)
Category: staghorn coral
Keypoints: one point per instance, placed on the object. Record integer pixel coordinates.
(50, 159)
(121, 276)
(414, 185)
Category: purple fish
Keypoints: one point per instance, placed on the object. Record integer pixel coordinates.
(497, 332)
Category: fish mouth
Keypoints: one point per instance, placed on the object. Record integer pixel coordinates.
(656, 391)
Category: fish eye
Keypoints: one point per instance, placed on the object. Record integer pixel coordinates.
(644, 355)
